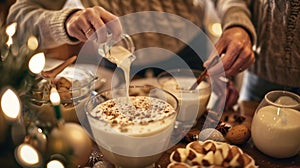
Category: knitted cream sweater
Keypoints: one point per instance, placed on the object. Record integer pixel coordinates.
(46, 19)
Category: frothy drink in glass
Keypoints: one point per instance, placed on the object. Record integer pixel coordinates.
(192, 103)
(132, 126)
(275, 127)
(132, 133)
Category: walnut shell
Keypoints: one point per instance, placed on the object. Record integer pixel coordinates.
(63, 82)
(64, 93)
(238, 134)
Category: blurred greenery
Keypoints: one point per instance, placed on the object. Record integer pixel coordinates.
(14, 60)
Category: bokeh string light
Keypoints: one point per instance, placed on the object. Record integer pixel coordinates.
(55, 164)
(27, 156)
(55, 100)
(36, 63)
(21, 64)
(10, 104)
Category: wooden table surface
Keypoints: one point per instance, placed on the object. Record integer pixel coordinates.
(246, 108)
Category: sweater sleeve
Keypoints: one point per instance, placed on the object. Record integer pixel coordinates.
(236, 13)
(46, 24)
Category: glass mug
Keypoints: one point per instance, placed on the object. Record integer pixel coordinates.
(275, 126)
(138, 144)
(192, 103)
(116, 50)
(72, 100)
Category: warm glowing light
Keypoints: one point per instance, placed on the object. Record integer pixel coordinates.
(55, 164)
(36, 63)
(11, 29)
(32, 43)
(54, 96)
(9, 41)
(10, 104)
(216, 29)
(27, 156)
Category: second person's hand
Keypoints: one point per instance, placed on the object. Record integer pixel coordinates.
(236, 46)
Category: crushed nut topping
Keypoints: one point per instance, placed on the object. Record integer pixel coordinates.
(135, 110)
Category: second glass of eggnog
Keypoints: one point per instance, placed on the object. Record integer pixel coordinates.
(192, 103)
(275, 127)
(132, 131)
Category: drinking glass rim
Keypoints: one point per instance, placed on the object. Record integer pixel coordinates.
(131, 86)
(281, 105)
(178, 70)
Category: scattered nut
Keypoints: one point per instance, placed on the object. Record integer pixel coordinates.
(223, 128)
(64, 93)
(212, 134)
(238, 134)
(63, 82)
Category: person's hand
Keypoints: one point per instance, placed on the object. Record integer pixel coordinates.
(235, 44)
(84, 23)
(232, 96)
